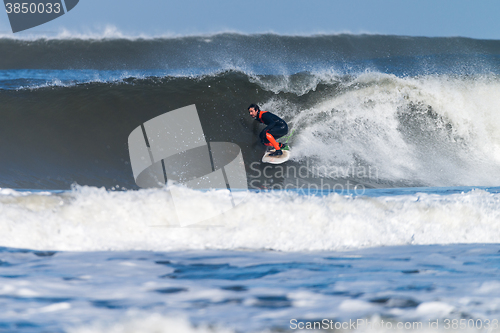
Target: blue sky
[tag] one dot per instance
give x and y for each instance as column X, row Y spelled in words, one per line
column 476, row 19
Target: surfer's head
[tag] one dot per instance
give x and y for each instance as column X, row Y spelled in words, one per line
column 253, row 109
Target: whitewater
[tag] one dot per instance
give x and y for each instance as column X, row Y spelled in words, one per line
column 93, row 219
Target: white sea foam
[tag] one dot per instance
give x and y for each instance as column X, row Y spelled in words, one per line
column 145, row 323
column 430, row 130
column 90, row 218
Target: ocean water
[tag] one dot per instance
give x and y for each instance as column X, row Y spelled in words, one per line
column 387, row 217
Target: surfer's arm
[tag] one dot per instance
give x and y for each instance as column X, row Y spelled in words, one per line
column 263, row 135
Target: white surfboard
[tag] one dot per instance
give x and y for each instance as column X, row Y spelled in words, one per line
column 276, row 159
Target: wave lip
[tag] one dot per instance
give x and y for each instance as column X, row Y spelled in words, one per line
column 284, row 54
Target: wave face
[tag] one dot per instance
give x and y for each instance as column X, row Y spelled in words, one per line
column 382, row 111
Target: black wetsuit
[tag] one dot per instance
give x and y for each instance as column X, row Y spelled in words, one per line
column 276, row 126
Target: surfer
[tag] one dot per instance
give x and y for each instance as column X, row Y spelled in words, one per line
column 275, row 129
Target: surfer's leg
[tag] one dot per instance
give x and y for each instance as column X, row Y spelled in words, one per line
column 276, row 133
column 272, row 141
column 279, row 131
column 264, row 140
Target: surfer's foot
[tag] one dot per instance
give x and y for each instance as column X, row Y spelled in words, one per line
column 282, row 145
column 276, row 153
